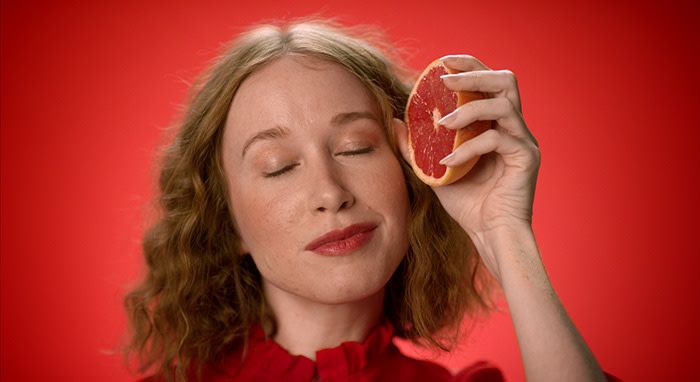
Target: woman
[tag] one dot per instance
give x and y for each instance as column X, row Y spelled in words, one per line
column 295, row 241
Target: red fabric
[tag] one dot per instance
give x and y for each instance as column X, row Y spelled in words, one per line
column 374, row 359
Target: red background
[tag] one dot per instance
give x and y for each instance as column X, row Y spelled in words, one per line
column 609, row 90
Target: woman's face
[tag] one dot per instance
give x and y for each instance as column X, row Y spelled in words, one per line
column 305, row 154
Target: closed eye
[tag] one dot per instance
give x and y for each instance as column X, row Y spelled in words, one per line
column 280, row 171
column 360, row 151
column 287, row 168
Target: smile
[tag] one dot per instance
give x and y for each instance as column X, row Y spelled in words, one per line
column 343, row 242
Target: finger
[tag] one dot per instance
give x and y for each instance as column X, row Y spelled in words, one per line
column 490, row 109
column 488, row 81
column 501, row 83
column 463, row 62
column 508, row 146
column 499, row 109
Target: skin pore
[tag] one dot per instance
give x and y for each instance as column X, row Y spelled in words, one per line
column 305, row 153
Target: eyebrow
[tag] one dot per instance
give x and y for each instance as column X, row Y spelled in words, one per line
column 281, row 131
column 344, row 118
column 275, row 132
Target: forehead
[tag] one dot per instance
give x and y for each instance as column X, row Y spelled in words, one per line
column 295, row 90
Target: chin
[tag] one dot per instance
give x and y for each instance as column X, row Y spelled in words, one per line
column 347, row 289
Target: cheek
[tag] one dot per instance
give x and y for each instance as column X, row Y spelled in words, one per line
column 262, row 214
column 389, row 190
column 385, row 191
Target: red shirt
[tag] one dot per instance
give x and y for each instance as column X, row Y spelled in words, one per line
column 374, row 359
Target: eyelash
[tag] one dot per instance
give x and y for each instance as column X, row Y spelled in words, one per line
column 284, row 169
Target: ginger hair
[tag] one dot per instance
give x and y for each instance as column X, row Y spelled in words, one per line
column 200, row 295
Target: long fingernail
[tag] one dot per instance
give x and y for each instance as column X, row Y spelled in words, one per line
column 447, row 119
column 446, row 160
column 449, row 76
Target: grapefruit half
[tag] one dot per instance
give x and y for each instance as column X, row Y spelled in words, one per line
column 428, row 141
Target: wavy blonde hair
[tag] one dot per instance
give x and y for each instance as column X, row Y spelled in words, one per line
column 200, row 295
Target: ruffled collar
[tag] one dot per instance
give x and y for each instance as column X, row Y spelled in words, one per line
column 266, row 358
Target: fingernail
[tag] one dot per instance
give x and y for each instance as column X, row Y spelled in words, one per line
column 449, row 76
column 446, row 160
column 447, row 119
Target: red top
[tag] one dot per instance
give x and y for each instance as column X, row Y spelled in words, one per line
column 374, row 359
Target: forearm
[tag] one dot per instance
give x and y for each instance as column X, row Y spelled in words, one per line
column 550, row 346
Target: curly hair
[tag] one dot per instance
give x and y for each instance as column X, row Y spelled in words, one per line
column 201, row 295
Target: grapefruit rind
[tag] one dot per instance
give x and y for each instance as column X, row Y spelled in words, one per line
column 452, row 174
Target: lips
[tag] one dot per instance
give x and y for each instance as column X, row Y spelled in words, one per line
column 338, row 236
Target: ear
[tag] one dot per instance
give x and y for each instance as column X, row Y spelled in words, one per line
column 401, row 137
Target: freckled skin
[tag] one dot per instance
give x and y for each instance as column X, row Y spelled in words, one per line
column 325, row 190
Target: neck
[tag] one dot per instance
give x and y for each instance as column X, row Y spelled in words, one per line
column 304, row 326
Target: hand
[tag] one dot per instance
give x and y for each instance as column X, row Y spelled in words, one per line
column 493, row 204
column 498, row 193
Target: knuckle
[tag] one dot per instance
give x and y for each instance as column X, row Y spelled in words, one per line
column 476, row 79
column 505, row 106
column 491, row 136
column 533, row 153
column 509, row 74
column 537, row 159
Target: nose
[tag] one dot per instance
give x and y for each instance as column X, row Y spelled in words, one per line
column 329, row 193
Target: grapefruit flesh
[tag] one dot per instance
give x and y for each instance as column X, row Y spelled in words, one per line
column 428, row 141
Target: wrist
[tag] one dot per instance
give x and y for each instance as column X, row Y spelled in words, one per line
column 506, row 247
